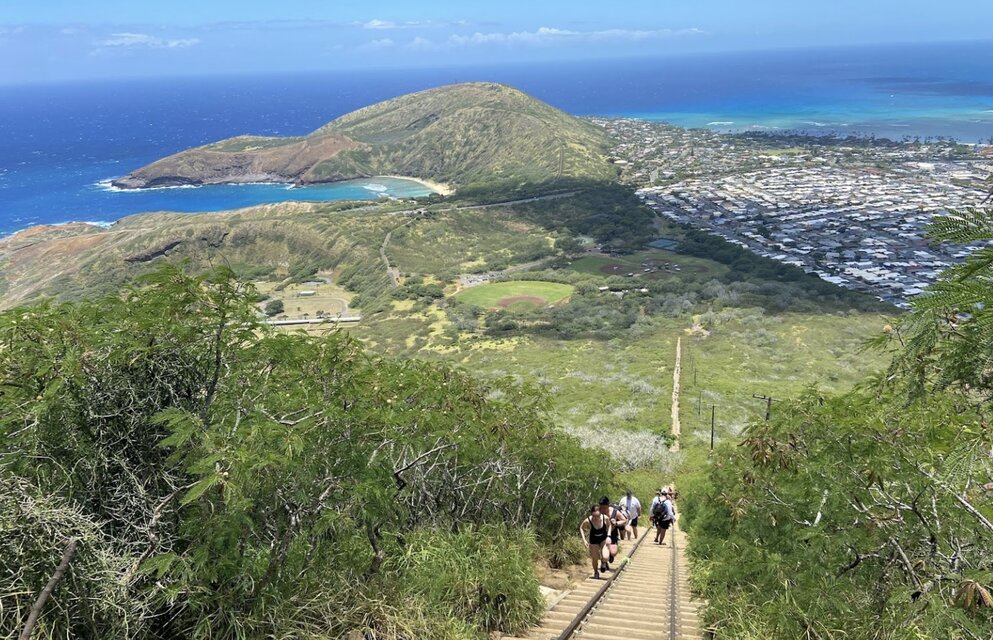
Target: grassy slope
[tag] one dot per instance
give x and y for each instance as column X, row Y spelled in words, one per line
column 626, row 383
column 745, row 354
column 479, row 132
column 452, row 242
column 271, row 241
column 475, row 133
column 77, row 260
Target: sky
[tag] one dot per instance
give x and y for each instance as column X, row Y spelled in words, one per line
column 45, row 41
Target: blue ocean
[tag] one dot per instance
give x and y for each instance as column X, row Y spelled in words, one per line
column 62, row 143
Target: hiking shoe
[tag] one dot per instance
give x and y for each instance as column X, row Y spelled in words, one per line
column 596, row 575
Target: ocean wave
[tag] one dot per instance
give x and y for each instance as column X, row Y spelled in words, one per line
column 107, row 185
column 375, row 187
column 104, row 224
column 720, row 123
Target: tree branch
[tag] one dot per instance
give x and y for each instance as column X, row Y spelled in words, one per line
column 378, row 554
column 39, row 604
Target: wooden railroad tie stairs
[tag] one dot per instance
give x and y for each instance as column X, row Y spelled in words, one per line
column 648, row 600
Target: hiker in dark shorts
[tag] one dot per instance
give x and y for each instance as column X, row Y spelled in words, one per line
column 618, row 521
column 663, row 515
column 595, row 531
column 633, row 506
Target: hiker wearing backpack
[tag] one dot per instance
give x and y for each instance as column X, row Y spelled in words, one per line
column 633, row 507
column 663, row 515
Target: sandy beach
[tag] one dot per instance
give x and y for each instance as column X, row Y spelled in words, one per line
column 438, row 187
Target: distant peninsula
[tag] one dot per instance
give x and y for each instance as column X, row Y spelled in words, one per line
column 450, row 136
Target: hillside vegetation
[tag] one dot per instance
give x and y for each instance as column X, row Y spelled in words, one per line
column 465, row 134
column 867, row 514
column 204, row 477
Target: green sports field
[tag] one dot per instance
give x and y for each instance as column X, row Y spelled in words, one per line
column 515, row 295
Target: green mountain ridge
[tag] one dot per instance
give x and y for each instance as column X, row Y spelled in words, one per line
column 463, row 134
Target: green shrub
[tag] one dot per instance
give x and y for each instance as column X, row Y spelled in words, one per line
column 484, row 575
column 274, row 308
column 565, row 551
column 235, row 479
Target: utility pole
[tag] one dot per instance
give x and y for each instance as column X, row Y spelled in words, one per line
column 713, row 417
column 768, row 404
column 699, row 401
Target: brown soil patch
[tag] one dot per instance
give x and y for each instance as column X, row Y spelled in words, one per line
column 506, row 302
column 519, row 227
column 561, row 579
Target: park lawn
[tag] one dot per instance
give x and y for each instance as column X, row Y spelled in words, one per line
column 515, row 294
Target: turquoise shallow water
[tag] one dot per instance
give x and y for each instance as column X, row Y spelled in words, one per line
column 972, row 124
column 234, row 196
column 99, row 202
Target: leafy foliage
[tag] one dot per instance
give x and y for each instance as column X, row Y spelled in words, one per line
column 226, row 480
column 880, row 497
column 948, row 341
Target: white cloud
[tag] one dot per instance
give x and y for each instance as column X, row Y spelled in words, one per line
column 423, row 44
column 378, row 45
column 138, row 40
column 553, row 35
column 376, row 23
column 391, row 24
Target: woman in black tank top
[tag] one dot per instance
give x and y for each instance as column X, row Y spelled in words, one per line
column 595, row 530
column 598, row 535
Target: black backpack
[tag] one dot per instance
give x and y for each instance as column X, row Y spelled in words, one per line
column 659, row 512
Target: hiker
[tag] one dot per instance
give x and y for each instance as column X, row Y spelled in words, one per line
column 656, row 499
column 595, row 531
column 619, row 522
column 663, row 515
column 633, row 507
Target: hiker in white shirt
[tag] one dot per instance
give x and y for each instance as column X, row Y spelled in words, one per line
column 633, row 507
